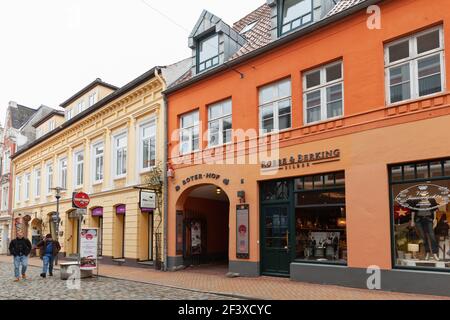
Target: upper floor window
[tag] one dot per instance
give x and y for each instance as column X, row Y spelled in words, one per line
column 219, row 123
column 415, row 66
column 37, row 183
column 49, row 178
column 27, row 186
column 295, row 13
column 18, row 188
column 148, row 145
column 120, row 155
column 208, row 52
column 69, row 114
column 63, row 173
column 79, row 169
column 51, row 125
column 189, row 133
column 323, row 93
column 38, row 133
column 98, row 157
column 275, row 106
column 5, row 197
column 6, row 165
column 92, row 99
column 80, row 107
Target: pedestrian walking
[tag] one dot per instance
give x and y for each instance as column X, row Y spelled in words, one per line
column 48, row 250
column 20, row 249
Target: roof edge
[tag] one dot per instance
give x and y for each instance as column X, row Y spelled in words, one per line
column 90, row 86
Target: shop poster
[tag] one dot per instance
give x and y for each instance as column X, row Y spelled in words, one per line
column 88, row 248
column 196, row 237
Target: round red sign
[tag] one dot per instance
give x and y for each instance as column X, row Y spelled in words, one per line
column 81, row 200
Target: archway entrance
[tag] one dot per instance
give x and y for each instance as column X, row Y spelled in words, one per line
column 205, row 214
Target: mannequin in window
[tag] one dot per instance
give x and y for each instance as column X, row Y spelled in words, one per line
column 425, row 221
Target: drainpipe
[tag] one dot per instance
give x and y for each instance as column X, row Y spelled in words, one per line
column 165, row 156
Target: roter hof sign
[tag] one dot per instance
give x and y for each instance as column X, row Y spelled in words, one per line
column 424, row 197
column 80, row 200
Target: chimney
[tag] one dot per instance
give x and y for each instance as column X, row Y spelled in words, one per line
column 12, row 104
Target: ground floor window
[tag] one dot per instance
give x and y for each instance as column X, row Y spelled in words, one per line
column 420, row 211
column 303, row 220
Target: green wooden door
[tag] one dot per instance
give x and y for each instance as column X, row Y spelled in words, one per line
column 275, row 239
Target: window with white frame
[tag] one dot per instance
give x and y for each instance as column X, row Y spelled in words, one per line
column 219, row 123
column 5, row 197
column 323, row 96
column 92, row 99
column 97, row 158
column 69, row 114
column 415, row 66
column 51, row 125
column 7, row 161
column 120, row 155
column 49, row 174
column 275, row 106
column 189, row 132
column 208, row 52
column 38, row 133
column 37, row 183
column 63, row 173
column 27, row 186
column 148, row 145
column 80, row 107
column 79, row 169
column 18, row 188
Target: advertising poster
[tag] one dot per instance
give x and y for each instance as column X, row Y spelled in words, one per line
column 196, row 237
column 88, row 248
column 243, row 251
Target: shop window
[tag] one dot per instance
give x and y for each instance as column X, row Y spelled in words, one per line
column 323, row 93
column 447, row 168
column 320, row 219
column 414, row 66
column 420, row 209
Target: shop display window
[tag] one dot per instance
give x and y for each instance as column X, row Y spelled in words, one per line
column 420, row 214
column 320, row 219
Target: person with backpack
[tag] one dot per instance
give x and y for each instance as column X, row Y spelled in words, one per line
column 48, row 250
column 20, row 249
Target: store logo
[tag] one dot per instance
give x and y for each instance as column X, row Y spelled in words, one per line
column 424, row 197
column 302, row 160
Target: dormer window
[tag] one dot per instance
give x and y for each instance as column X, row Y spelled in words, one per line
column 295, row 14
column 208, row 52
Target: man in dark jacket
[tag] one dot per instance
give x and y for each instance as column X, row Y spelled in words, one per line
column 48, row 249
column 20, row 248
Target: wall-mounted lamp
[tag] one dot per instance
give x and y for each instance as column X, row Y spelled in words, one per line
column 241, row 196
column 218, row 191
column 170, row 172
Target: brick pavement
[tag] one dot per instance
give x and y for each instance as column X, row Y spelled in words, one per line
column 214, row 281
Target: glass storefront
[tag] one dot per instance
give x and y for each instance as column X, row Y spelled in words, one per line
column 420, row 211
column 304, row 220
column 320, row 219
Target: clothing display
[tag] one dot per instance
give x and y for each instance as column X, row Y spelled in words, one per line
column 425, row 229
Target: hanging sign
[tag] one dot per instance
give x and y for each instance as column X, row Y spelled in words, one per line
column 147, row 200
column 242, row 232
column 80, row 200
column 424, row 197
column 88, row 248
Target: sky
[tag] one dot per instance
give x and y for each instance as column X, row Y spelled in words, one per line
column 50, row 49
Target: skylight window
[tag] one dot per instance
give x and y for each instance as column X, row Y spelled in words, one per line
column 248, row 27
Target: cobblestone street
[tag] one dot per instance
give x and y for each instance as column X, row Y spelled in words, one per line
column 52, row 288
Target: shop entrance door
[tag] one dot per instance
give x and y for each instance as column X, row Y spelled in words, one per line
column 276, row 247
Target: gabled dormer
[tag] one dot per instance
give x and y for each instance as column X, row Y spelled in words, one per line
column 291, row 15
column 212, row 42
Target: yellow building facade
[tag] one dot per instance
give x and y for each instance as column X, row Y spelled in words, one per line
column 107, row 146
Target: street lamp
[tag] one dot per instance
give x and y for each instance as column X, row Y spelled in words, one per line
column 57, row 219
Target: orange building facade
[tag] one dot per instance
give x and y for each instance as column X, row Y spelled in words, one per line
column 346, row 124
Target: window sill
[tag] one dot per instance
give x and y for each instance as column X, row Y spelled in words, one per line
column 96, row 183
column 418, row 99
column 275, row 132
column 219, row 146
column 323, row 121
column 120, row 177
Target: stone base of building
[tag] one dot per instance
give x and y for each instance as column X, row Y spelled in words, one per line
column 127, row 262
column 406, row 281
column 245, row 268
